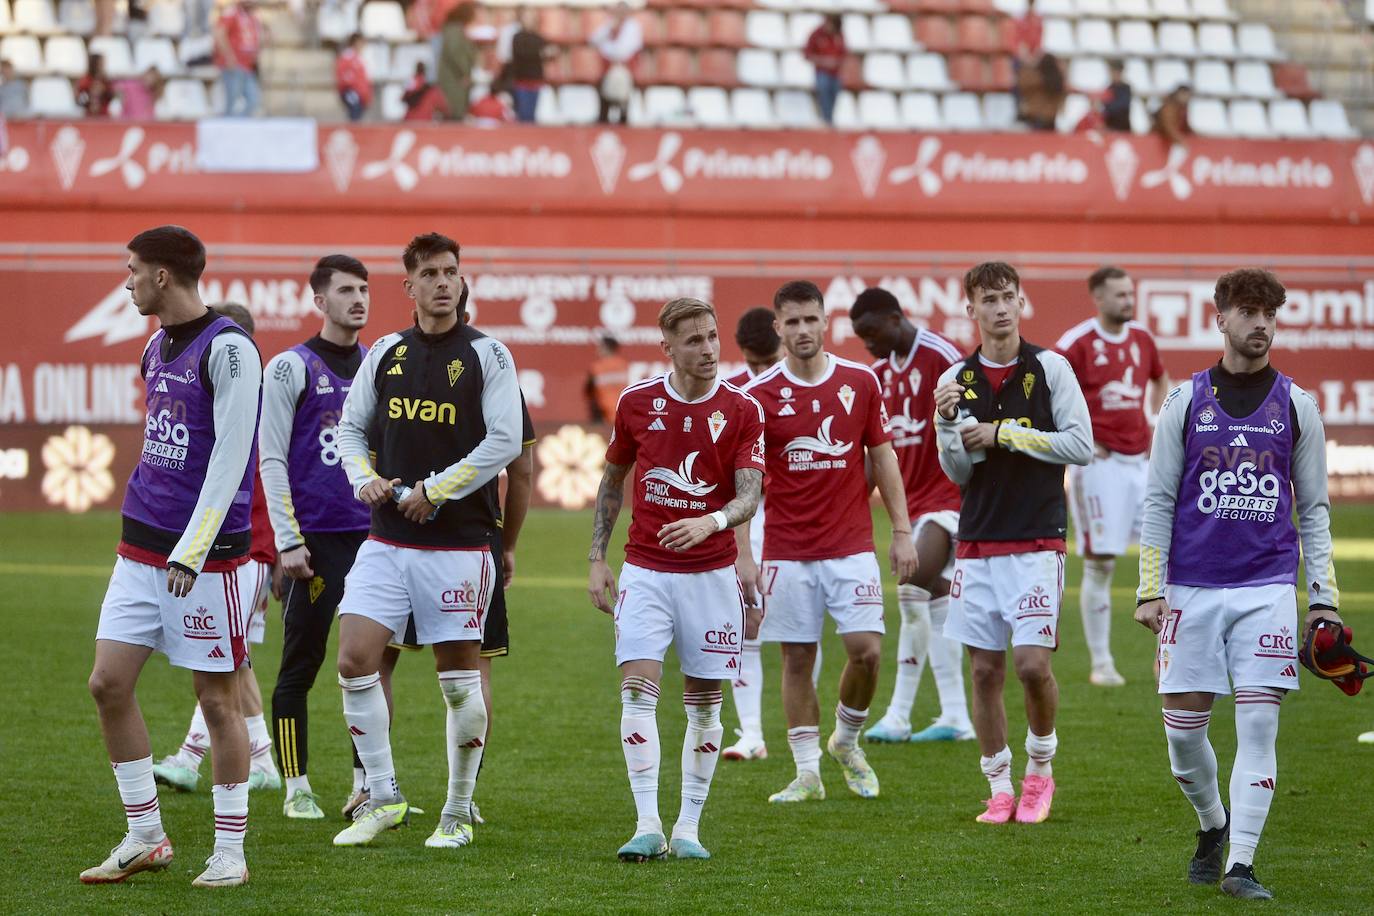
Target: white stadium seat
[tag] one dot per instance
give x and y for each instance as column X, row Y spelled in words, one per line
column 1213, row 77
column 1075, row 107
column 666, row 106
column 65, row 55
column 1133, row 9
column 24, row 52
column 403, row 61
column 799, row 28
column 1256, row 39
column 961, row 111
column 921, row 111
column 1135, row 37
column 1214, row 9
column 1058, row 39
column 34, row 17
column 1137, row 76
column 76, row 16
column 1102, row 9
column 796, row 110
column 1329, row 119
column 578, row 104
column 857, row 36
column 1215, row 39
column 878, row 111
column 892, row 32
column 1140, row 116
column 377, row 60
column 1254, row 78
column 391, row 102
column 119, row 58
column 1177, row 39
column 336, row 21
column 1172, row 9
column 1088, row 74
column 884, row 70
column 156, row 52
column 847, row 112
column 167, row 18
column 1095, row 36
column 999, row 110
column 710, row 106
column 6, row 21
column 52, row 97
column 752, row 108
column 1288, row 118
column 1207, row 117
column 757, row 67
column 927, row 71
column 1056, row 8
column 1170, row 74
column 1250, row 119
column 384, row 20
column 184, row 100
column 766, row 29
column 796, row 71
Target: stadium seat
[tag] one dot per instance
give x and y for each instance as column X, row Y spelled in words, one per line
column 786, row 5
column 1170, row 74
column 384, row 20
column 799, row 28
column 119, row 59
column 157, row 52
column 336, row 21
column 392, row 106
column 1095, row 36
column 892, row 32
column 968, row 71
column 403, row 61
column 1088, row 74
column 1172, row 9
column 1291, row 80
column 579, row 104
column 1177, row 39
column 766, row 29
column 936, row 33
column 927, row 71
column 796, row 71
column 796, row 110
column 34, row 17
column 65, row 55
column 52, row 97
column 921, row 111
column 1215, row 39
column 1214, row 9
column 883, row 70
column 1213, row 77
column 1055, row 8
column 6, row 21
column 1001, row 78
column 186, row 100
column 961, row 111
column 1288, row 118
column 1137, row 76
column 757, row 67
column 847, row 112
column 1101, row 9
column 561, row 26
column 710, row 107
column 75, row 16
column 977, row 34
column 1256, row 39
column 584, row 66
column 717, row 67
column 684, row 28
column 377, row 60
column 857, row 37
column 878, row 111
column 650, row 26
column 675, row 67
column 1329, row 120
column 1250, row 119
column 1136, row 38
column 1075, row 107
column 1133, row 9
column 1058, row 39
column 1255, row 79
column 665, row 106
column 167, row 18
column 24, row 52
column 725, row 29
column 1207, row 117
column 752, row 108
column 1140, row 116
column 999, row 110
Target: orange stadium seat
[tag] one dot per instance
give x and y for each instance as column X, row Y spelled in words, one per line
column 1002, row 77
column 652, row 25
column 852, row 74
column 686, row 28
column 970, row 71
column 560, row 25
column 716, row 67
column 674, row 67
column 936, row 33
column 725, row 29
column 976, row 34
column 584, row 66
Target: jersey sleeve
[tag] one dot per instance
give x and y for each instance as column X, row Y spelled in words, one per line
column 282, row 384
column 1072, row 350
column 501, row 411
column 1161, row 492
column 877, row 426
column 749, row 444
column 954, row 459
column 1072, row 440
column 622, row 447
column 1312, row 502
column 236, row 375
column 356, row 417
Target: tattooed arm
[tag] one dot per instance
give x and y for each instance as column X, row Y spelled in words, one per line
column 610, row 496
column 686, row 533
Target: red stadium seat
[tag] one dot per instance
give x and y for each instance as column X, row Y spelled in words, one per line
column 976, row 34
column 716, row 67
column 725, row 29
column 584, row 65
column 560, row 26
column 652, row 25
column 1291, row 80
column 674, row 68
column 686, row 28
column 1002, row 78
column 937, row 7
column 936, row 33
column 852, row 74
column 1007, row 31
column 969, row 71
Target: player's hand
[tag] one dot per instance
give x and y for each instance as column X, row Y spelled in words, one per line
column 296, row 562
column 1099, row 450
column 278, row 582
column 416, row 506
column 753, row 619
column 748, row 574
column 902, row 557
column 1318, row 614
column 601, row 587
column 1151, row 614
column 376, row 492
column 180, row 581
column 686, row 533
column 947, row 398
column 507, row 567
column 982, row 435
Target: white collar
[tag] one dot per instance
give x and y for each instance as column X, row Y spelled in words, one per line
column 672, row 392
column 829, row 371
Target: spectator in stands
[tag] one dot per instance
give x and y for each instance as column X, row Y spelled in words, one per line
column 238, row 42
column 826, row 51
column 1116, row 101
column 457, row 57
column 138, row 97
column 14, row 92
column 619, row 41
column 491, row 110
column 1171, row 118
column 529, row 51
column 423, row 100
column 104, row 16
column 93, row 91
column 1027, row 34
column 350, row 76
column 1041, row 92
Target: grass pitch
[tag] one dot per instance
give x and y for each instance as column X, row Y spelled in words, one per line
column 555, row 793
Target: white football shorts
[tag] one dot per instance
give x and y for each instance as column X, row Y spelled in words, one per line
column 701, row 613
column 1016, row 598
column 449, row 591
column 756, row 534
column 202, row 631
column 1246, row 635
column 798, row 593
column 947, row 519
column 1107, row 502
column 258, row 575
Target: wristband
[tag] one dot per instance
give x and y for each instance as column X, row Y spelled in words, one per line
column 719, row 518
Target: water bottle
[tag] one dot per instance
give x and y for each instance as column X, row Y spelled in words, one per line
column 401, row 491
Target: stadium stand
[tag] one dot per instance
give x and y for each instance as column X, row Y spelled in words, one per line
column 914, row 64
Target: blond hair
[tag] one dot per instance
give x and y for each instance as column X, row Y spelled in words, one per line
column 675, row 310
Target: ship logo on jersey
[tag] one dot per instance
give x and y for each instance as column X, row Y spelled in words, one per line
column 716, row 422
column 681, row 479
column 455, row 371
column 846, row 398
column 821, row 443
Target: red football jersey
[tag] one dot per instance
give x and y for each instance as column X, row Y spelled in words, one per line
column 909, row 392
column 814, row 437
column 685, row 454
column 741, row 378
column 1112, row 372
column 263, row 543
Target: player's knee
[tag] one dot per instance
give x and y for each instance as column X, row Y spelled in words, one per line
column 867, row 658
column 1034, row 671
column 987, row 673
column 354, row 664
column 218, row 704
column 798, row 662
column 108, row 690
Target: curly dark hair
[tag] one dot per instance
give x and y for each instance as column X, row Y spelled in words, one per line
column 755, row 332
column 991, row 275
column 1248, row 286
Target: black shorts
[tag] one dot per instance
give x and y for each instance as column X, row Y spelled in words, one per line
column 496, row 633
column 331, row 557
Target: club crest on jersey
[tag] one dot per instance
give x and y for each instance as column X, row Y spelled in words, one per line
column 455, row 371
column 1028, row 383
column 316, row 589
column 716, row 422
column 846, row 398
column 815, row 405
column 686, row 424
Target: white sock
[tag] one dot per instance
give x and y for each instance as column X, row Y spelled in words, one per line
column 639, row 740
column 700, row 753
column 359, row 779
column 369, row 723
column 747, row 690
column 997, row 769
column 1040, row 753
column 466, row 728
column 1194, row 764
column 913, row 644
column 259, row 743
column 1095, row 604
column 296, row 784
column 947, row 665
column 138, row 791
column 231, row 817
column 1255, row 770
column 848, row 722
column 197, row 741
column 805, row 741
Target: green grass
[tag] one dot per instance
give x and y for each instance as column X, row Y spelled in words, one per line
column 555, row 791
